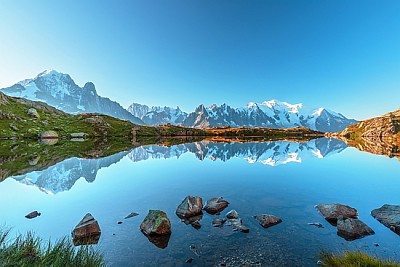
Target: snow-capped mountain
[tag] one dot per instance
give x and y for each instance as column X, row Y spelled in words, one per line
column 63, row 175
column 273, row 113
column 59, row 90
column 267, row 153
column 157, row 115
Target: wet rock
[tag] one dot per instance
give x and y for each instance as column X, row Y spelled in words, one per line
column 218, row 222
column 156, row 223
column 316, row 224
column 32, row 214
column 33, row 113
column 232, row 214
column 331, row 212
column 215, row 205
column 389, row 216
column 190, row 260
column 190, row 206
column 235, row 223
column 87, row 231
column 194, row 249
column 351, row 229
column 130, row 215
column 48, row 135
column 243, row 229
column 119, row 222
column 266, row 220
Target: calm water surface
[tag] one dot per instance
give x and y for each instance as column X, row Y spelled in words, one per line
column 286, row 179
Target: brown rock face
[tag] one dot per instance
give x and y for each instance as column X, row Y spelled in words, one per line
column 156, row 223
column 87, row 231
column 267, row 220
column 351, row 229
column 190, row 206
column 389, row 216
column 331, row 212
column 215, row 205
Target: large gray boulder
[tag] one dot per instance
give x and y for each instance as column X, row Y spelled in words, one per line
column 33, row 113
column 389, row 216
column 87, row 231
column 331, row 212
column 351, row 229
column 48, row 135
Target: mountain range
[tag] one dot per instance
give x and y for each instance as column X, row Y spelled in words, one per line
column 59, row 90
column 269, row 114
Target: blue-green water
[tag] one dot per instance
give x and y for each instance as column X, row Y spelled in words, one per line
column 286, row 179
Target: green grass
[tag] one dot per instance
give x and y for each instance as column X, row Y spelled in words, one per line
column 30, row 250
column 355, row 259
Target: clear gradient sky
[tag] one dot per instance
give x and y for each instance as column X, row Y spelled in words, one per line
column 340, row 54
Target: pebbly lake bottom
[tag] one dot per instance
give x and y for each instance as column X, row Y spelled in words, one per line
column 280, row 178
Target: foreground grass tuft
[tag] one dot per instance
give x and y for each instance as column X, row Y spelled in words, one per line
column 29, row 250
column 355, row 259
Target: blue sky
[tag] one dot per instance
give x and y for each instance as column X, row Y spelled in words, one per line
column 339, row 54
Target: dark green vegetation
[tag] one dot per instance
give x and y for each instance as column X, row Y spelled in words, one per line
column 29, row 250
column 355, row 259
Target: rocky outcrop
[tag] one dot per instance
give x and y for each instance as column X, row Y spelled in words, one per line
column 156, row 223
column 215, row 205
column 331, row 212
column 266, row 220
column 87, row 231
column 389, row 216
column 3, row 99
column 351, row 229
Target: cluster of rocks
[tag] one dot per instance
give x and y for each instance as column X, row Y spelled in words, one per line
column 345, row 218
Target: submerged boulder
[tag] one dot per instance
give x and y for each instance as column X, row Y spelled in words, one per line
column 156, row 223
column 215, row 205
column 232, row 214
column 331, row 212
column 190, row 206
column 267, row 220
column 389, row 216
column 87, row 231
column 351, row 229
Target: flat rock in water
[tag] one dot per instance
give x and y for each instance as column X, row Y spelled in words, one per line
column 132, row 214
column 156, row 223
column 352, row 229
column 32, row 214
column 389, row 216
column 87, row 231
column 331, row 212
column 190, row 206
column 267, row 220
column 218, row 222
column 215, row 205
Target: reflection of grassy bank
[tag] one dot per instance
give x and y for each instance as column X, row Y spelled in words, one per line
column 29, row 250
column 355, row 259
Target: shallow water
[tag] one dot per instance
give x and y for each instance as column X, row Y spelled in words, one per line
column 286, row 179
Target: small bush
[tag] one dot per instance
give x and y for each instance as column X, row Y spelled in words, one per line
column 355, row 259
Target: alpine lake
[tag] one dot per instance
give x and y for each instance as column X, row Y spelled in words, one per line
column 283, row 178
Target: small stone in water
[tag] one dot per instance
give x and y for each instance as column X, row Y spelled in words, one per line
column 189, row 260
column 33, row 214
column 132, row 214
column 119, row 222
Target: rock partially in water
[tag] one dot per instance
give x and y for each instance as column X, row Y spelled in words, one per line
column 352, row 229
column 33, row 113
column 190, row 206
column 33, row 214
column 87, row 231
column 215, row 205
column 233, row 214
column 48, row 135
column 389, row 216
column 267, row 220
column 316, row 224
column 160, row 241
column 218, row 222
column 132, row 214
column 331, row 212
column 156, row 223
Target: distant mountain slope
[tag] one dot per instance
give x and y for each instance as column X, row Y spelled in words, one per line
column 59, row 90
column 273, row 113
